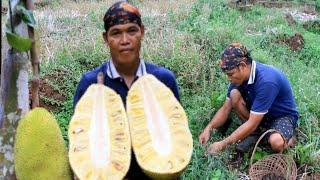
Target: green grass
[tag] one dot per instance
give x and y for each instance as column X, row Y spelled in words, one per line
column 188, row 41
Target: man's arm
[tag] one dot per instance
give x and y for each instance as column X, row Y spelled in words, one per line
column 218, row 120
column 265, row 96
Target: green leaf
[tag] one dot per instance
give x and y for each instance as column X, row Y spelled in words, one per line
column 216, row 175
column 26, row 15
column 17, row 42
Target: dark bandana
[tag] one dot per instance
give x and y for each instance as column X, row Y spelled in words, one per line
column 121, row 13
column 232, row 55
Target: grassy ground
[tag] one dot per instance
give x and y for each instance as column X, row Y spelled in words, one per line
column 187, row 37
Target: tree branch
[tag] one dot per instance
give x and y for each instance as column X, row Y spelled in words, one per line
column 34, row 52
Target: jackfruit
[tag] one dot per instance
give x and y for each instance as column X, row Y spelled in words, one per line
column 100, row 144
column 39, row 149
column 160, row 135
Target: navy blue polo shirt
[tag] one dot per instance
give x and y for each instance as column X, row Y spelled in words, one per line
column 116, row 82
column 268, row 92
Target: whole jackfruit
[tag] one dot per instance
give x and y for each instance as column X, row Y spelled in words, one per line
column 39, row 149
column 161, row 139
column 100, row 145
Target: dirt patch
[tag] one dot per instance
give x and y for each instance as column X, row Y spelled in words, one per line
column 47, row 91
column 308, row 7
column 295, row 42
column 50, row 98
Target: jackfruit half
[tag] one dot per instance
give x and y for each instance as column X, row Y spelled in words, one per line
column 160, row 135
column 100, row 145
column 39, row 149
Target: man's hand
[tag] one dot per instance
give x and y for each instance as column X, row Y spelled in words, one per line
column 216, row 147
column 204, row 136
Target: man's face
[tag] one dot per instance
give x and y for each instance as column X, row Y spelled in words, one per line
column 124, row 41
column 236, row 76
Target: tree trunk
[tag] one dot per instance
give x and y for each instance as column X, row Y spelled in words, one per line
column 16, row 105
column 14, row 101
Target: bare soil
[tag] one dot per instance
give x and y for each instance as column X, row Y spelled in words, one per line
column 47, row 91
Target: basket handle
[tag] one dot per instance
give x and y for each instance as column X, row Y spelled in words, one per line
column 260, row 138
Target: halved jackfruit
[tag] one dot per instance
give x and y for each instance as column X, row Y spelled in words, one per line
column 100, row 145
column 160, row 135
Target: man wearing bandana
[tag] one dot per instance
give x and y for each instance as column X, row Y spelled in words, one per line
column 123, row 34
column 262, row 98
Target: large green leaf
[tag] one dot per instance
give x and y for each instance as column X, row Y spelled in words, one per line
column 17, row 42
column 26, row 15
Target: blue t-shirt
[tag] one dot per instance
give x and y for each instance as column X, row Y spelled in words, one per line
column 268, row 92
column 117, row 83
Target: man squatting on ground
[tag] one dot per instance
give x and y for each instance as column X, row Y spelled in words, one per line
column 262, row 98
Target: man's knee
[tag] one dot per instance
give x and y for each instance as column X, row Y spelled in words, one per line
column 277, row 142
column 236, row 99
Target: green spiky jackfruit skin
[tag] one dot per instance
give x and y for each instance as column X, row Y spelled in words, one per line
column 39, row 149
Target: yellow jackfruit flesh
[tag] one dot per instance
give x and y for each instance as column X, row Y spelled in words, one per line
column 39, row 149
column 161, row 139
column 100, row 145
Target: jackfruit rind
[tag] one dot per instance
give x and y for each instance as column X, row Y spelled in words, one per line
column 39, row 149
column 100, row 145
column 160, row 135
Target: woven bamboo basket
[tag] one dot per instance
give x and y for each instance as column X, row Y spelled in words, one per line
column 275, row 166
